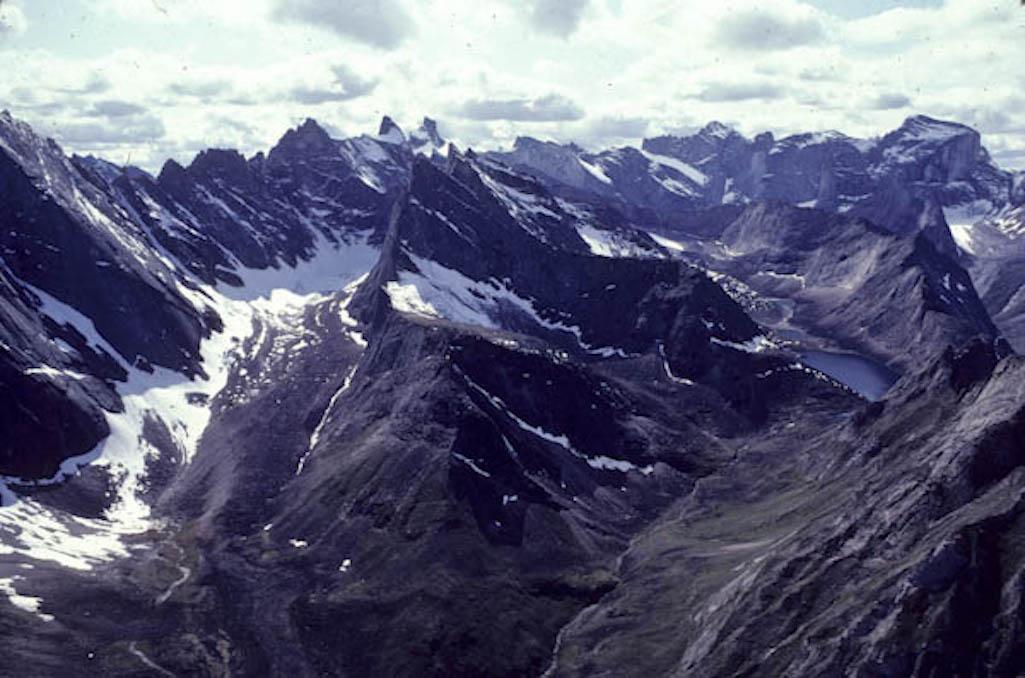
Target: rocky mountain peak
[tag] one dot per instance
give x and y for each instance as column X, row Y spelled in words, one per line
column 171, row 172
column 106, row 171
column 931, row 150
column 717, row 130
column 389, row 132
column 430, row 127
column 307, row 139
column 928, row 128
column 426, row 140
column 219, row 163
column 18, row 139
column 525, row 142
column 311, row 127
column 8, row 121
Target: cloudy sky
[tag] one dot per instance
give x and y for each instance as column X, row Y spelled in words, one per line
column 143, row 80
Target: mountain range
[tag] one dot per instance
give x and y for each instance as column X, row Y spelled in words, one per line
column 384, row 406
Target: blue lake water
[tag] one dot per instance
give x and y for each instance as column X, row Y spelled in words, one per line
column 864, row 375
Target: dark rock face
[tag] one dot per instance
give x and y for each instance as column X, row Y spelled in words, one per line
column 66, row 238
column 43, row 424
column 546, row 284
column 1018, row 189
column 927, row 546
column 930, row 151
column 1002, row 285
column 396, row 409
column 718, row 151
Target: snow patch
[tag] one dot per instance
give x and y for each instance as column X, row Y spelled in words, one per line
column 315, row 436
column 54, row 373
column 756, row 344
column 519, row 203
column 612, row 244
column 473, row 466
column 667, row 243
column 669, row 371
column 596, row 171
column 407, row 299
column 692, row 173
column 26, row 603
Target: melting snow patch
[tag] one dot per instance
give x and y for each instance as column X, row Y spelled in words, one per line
column 434, row 291
column 669, row 372
column 756, row 344
column 315, row 437
column 473, row 466
column 27, row 603
column 54, row 373
column 611, row 244
column 784, row 276
column 962, row 220
column 163, row 394
column 963, row 236
column 667, row 243
column 407, row 299
column 62, row 314
column 438, row 292
column 333, row 267
column 692, row 173
column 30, row 529
column 596, row 171
column 609, row 464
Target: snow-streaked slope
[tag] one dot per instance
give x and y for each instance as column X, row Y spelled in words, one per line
column 436, row 292
column 32, row 531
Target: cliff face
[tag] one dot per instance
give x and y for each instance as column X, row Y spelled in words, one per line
column 1018, row 189
column 924, row 149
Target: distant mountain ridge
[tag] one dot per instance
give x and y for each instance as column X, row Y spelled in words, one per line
column 927, row 176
